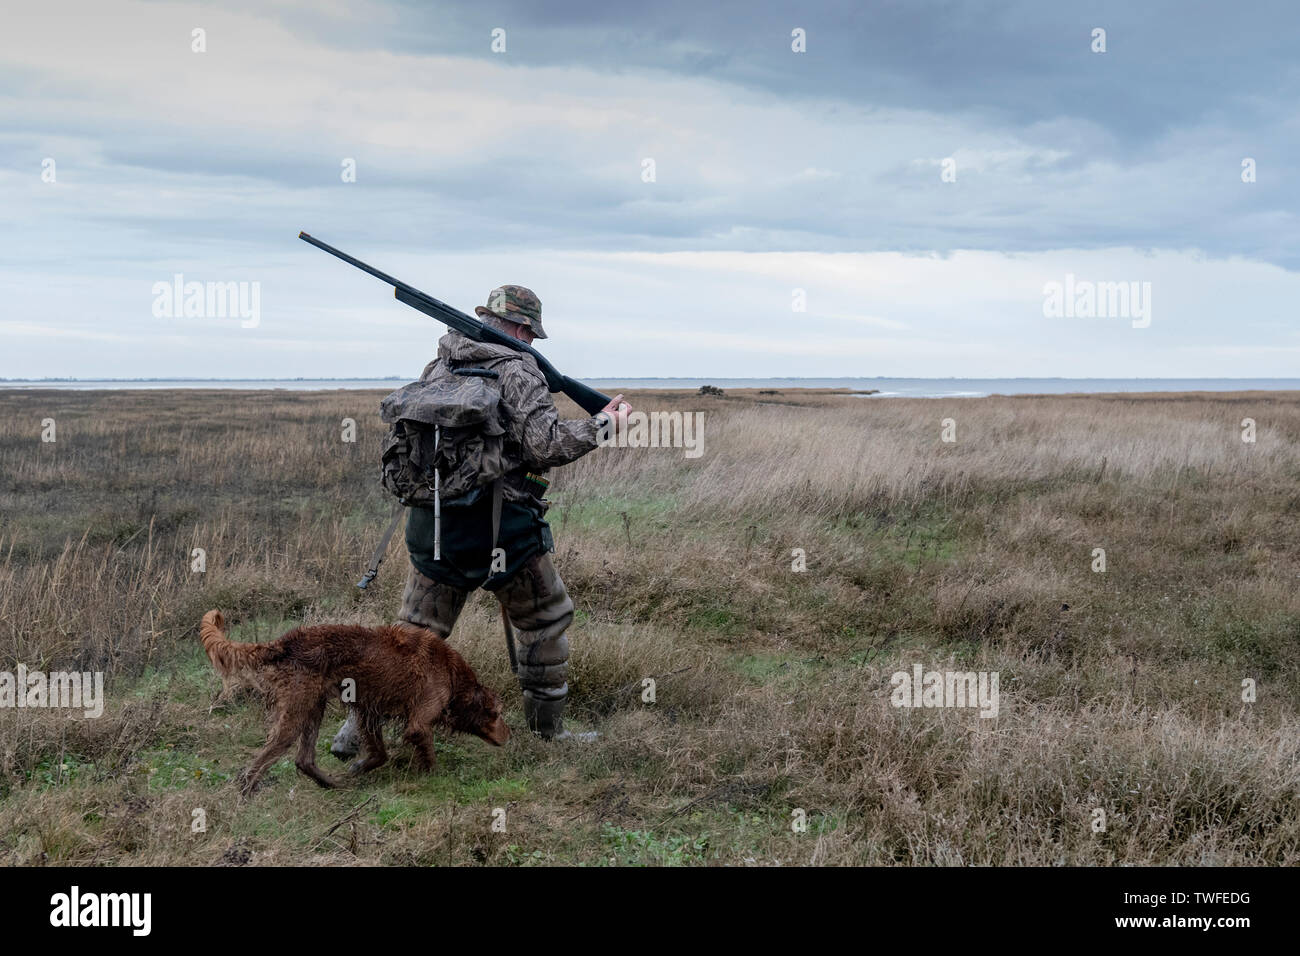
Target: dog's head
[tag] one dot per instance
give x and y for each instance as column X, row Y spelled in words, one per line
column 479, row 714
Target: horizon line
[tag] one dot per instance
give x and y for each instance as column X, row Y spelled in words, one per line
column 722, row 378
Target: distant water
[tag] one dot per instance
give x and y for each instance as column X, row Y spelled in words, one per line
column 967, row 387
column 290, row 384
column 886, row 387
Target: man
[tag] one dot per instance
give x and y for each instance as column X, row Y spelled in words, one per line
column 528, row 586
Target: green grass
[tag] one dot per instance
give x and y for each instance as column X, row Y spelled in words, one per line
column 784, row 669
column 645, row 848
column 173, row 768
column 718, row 618
column 638, row 515
column 774, row 689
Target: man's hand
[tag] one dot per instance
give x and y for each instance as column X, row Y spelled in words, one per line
column 616, row 411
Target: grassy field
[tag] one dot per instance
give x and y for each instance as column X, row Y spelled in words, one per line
column 1121, row 692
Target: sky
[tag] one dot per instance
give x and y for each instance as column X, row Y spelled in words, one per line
column 686, row 192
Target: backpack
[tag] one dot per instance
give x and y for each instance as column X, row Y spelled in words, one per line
column 445, row 438
column 445, row 441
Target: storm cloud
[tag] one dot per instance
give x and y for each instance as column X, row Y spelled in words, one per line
column 774, row 171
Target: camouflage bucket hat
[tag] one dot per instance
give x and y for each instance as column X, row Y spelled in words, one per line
column 514, row 303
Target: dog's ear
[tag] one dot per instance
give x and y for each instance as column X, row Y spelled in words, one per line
column 483, row 705
column 483, row 716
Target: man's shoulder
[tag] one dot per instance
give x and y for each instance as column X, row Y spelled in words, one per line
column 461, row 349
column 522, row 370
column 523, row 386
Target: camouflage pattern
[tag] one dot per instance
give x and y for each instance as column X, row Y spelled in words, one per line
column 516, row 304
column 427, row 603
column 538, row 606
column 533, row 441
column 535, row 438
column 534, row 596
column 541, row 611
column 466, row 449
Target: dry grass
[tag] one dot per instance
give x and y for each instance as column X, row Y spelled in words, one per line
column 1120, row 691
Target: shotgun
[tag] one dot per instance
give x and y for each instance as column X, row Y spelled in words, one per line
column 588, row 399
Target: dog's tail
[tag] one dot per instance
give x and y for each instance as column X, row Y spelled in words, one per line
column 227, row 656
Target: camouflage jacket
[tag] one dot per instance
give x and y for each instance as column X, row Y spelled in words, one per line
column 536, row 439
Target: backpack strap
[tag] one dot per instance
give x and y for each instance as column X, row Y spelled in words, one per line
column 437, row 499
column 380, row 551
column 496, row 512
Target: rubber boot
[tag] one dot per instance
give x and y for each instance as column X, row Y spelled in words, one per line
column 545, row 718
column 347, row 742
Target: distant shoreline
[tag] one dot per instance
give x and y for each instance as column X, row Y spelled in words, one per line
column 659, row 378
column 875, row 388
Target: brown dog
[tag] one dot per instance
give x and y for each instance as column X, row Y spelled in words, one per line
column 402, row 671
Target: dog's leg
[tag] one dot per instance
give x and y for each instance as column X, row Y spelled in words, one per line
column 373, row 753
column 279, row 741
column 307, row 747
column 418, row 733
column 422, row 740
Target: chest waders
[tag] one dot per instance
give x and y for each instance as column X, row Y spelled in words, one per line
column 400, row 510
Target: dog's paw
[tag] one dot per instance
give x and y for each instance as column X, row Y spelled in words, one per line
column 247, row 786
